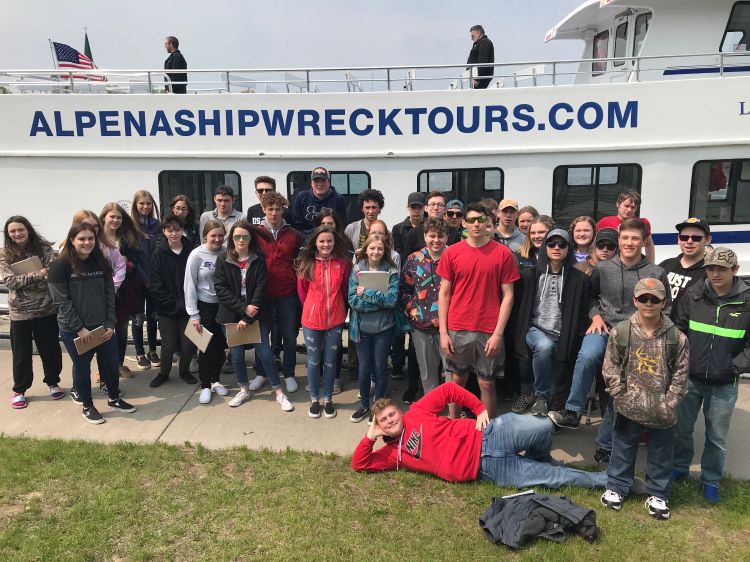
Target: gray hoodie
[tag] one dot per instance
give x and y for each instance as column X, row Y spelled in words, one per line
column 614, row 284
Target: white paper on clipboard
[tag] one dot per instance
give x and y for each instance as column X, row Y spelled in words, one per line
column 377, row 280
column 200, row 339
column 251, row 334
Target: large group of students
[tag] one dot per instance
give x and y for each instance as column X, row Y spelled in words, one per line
column 485, row 296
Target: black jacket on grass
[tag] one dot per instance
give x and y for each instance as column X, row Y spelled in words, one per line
column 167, row 278
column 228, row 285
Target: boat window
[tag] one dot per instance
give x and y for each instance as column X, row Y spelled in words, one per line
column 348, row 184
column 621, row 43
column 601, row 44
column 642, row 21
column 199, row 186
column 591, row 190
column 737, row 33
column 721, row 191
column 468, row 184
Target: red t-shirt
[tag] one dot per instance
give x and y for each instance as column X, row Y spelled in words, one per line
column 615, row 222
column 476, row 275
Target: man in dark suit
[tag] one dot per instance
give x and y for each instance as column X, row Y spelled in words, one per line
column 482, row 51
column 175, row 61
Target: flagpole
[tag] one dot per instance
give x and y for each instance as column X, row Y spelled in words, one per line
column 52, row 52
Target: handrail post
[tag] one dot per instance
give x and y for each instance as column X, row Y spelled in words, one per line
column 150, row 85
column 721, row 65
column 638, row 69
column 307, row 80
column 228, row 82
column 72, row 84
column 554, row 73
column 388, row 78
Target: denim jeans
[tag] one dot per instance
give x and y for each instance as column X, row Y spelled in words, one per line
column 322, row 347
column 658, row 460
column 543, row 348
column 263, row 356
column 507, row 435
column 150, row 319
column 588, row 362
column 606, row 429
column 283, row 319
column 718, row 402
column 106, row 356
column 372, row 354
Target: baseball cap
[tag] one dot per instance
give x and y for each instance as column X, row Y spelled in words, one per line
column 320, row 173
column 505, row 203
column 416, row 198
column 650, row 286
column 224, row 190
column 455, row 204
column 561, row 232
column 721, row 256
column 697, row 223
column 606, row 235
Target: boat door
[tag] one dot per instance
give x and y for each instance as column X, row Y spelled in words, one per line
column 627, row 36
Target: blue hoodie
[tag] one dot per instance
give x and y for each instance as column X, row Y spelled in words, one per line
column 306, row 207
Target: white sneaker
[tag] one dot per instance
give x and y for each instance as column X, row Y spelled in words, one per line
column 257, row 383
column 612, row 499
column 205, row 396
column 219, row 389
column 284, row 402
column 291, row 384
column 657, row 507
column 239, row 399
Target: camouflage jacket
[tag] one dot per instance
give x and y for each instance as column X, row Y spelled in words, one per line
column 644, row 390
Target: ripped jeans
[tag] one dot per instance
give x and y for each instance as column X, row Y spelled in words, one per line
column 322, row 350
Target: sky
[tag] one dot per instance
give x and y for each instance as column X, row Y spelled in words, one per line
column 281, row 33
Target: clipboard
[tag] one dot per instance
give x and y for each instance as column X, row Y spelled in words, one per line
column 29, row 265
column 96, row 340
column 251, row 334
column 200, row 339
column 377, row 280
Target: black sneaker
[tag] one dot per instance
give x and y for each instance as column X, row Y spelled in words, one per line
column 158, row 380
column 601, row 457
column 121, row 406
column 539, row 408
column 188, row 378
column 522, row 404
column 104, row 390
column 410, row 395
column 360, row 414
column 143, row 362
column 328, row 410
column 397, row 373
column 92, row 415
column 314, row 411
column 153, row 358
column 74, row 396
column 566, row 419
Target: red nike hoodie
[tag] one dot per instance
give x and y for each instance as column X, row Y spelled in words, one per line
column 447, row 448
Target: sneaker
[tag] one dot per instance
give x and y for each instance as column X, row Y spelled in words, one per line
column 314, row 411
column 337, row 386
column 257, row 383
column 601, row 457
column 711, row 493
column 219, row 389
column 678, row 475
column 522, row 404
column 74, row 395
column 153, row 358
column 360, row 414
column 125, row 372
column 291, row 384
column 239, row 399
column 104, row 390
column 143, row 363
column 658, row 508
column 397, row 373
column 121, row 406
column 328, row 410
column 409, row 395
column 612, row 500
column 205, row 396
column 55, row 392
column 18, row 401
column 283, row 401
column 158, row 380
column 188, row 378
column 92, row 415
column 539, row 408
column 566, row 419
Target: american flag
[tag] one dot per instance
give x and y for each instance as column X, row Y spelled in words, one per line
column 68, row 57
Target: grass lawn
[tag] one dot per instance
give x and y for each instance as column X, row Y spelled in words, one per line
column 85, row 501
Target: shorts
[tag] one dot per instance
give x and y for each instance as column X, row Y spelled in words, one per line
column 468, row 356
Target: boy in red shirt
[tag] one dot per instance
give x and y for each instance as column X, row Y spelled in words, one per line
column 628, row 203
column 474, row 303
column 463, row 450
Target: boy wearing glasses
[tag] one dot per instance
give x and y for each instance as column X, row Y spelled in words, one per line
column 474, row 303
column 255, row 214
column 686, row 270
column 435, row 207
column 645, row 371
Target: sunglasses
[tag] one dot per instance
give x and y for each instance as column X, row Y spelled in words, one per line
column 648, row 299
column 481, row 219
column 605, row 246
column 454, row 214
column 238, row 237
column 262, row 191
column 693, row 237
column 562, row 244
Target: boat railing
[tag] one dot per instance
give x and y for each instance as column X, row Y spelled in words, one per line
column 377, row 78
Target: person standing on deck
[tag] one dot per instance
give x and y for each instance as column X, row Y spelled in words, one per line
column 481, row 51
column 175, row 61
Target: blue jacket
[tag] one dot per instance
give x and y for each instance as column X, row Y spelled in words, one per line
column 371, row 300
column 148, row 243
column 306, row 207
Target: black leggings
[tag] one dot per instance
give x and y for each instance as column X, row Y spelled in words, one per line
column 211, row 360
column 23, row 334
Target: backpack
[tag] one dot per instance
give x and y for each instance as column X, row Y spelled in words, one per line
column 623, row 344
